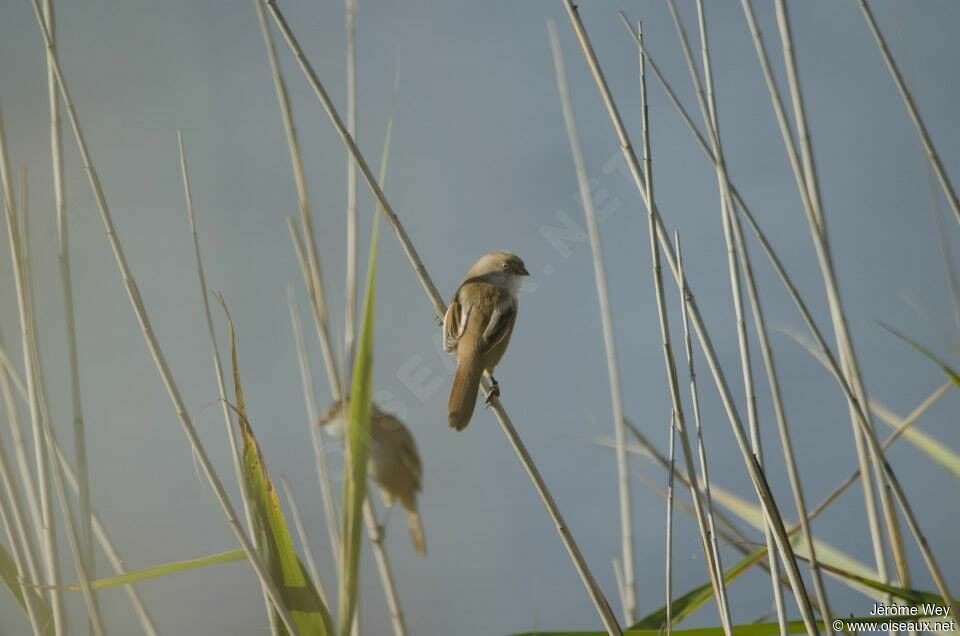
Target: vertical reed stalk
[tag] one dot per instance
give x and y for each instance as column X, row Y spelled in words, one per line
column 613, row 371
column 707, row 104
column 819, row 233
column 372, row 526
column 714, row 568
column 100, row 533
column 21, row 252
column 66, row 282
column 596, row 594
column 766, row 499
column 701, row 447
column 319, row 451
column 11, row 517
column 47, row 531
column 133, row 291
column 869, row 501
column 16, row 435
column 235, row 453
column 315, row 285
column 349, row 324
column 668, row 578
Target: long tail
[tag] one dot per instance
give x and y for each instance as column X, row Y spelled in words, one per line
column 463, row 393
column 416, row 530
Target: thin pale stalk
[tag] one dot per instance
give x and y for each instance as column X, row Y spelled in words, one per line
column 66, row 283
column 315, row 285
column 714, row 568
column 702, row 448
column 596, row 594
column 100, row 534
column 215, row 351
column 738, row 539
column 755, row 472
column 372, row 528
column 668, row 578
column 925, row 139
column 11, row 516
column 20, row 251
column 727, row 528
column 815, row 222
column 16, row 434
column 761, row 237
column 319, row 451
column 133, row 291
column 304, row 542
column 99, row 531
column 603, row 300
column 375, row 531
column 47, row 531
column 708, row 110
column 349, row 324
column 844, row 341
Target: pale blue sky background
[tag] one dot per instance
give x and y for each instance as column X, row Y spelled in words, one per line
column 480, row 161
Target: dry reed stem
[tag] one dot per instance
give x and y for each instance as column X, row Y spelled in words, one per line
column 66, row 282
column 7, row 373
column 17, row 535
column 928, row 146
column 319, row 450
column 315, row 285
column 133, row 291
column 21, row 251
column 235, row 453
column 713, row 568
column 755, row 472
column 708, row 111
column 100, row 533
column 349, row 325
column 613, row 371
column 701, row 447
column 439, row 307
column 46, row 529
column 372, row 526
column 806, row 176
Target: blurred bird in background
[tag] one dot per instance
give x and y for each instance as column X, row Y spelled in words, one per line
column 394, row 463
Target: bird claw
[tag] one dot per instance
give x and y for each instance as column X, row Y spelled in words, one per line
column 494, row 392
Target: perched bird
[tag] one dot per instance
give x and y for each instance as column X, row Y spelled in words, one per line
column 393, row 463
column 477, row 326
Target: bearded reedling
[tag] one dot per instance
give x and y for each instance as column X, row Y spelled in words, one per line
column 394, row 463
column 478, row 325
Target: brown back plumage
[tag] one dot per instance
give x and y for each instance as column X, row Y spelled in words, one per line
column 469, row 328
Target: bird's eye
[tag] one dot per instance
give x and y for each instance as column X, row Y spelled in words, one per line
column 504, row 266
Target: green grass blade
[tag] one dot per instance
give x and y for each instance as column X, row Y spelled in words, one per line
column 953, row 375
column 911, row 596
column 271, row 533
column 164, row 569
column 926, row 443
column 827, row 555
column 358, row 436
column 687, row 604
column 750, row 629
column 8, row 574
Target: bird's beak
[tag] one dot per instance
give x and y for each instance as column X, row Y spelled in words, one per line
column 523, row 271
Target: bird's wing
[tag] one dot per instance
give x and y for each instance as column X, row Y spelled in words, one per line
column 411, row 460
column 454, row 322
column 498, row 326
